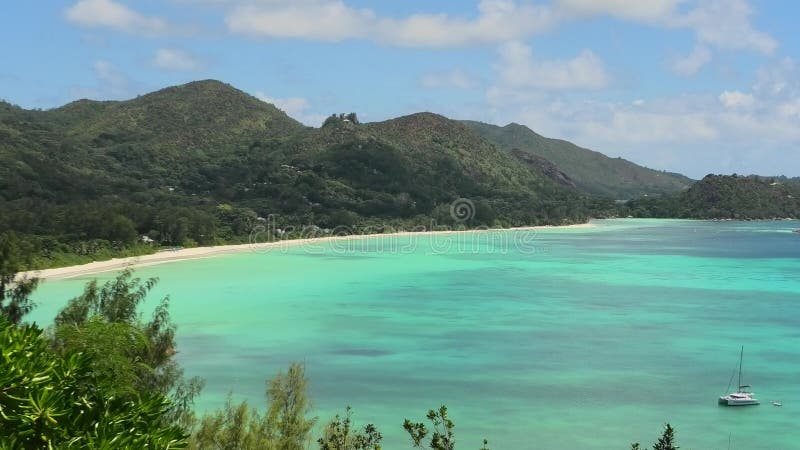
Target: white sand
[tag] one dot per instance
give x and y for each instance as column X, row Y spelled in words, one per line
column 205, row 252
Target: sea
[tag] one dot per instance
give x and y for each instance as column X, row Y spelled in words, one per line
column 588, row 338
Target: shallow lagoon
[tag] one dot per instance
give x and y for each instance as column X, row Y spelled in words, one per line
column 573, row 338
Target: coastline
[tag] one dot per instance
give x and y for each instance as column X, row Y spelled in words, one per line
column 168, row 256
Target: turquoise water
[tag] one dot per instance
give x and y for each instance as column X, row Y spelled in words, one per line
column 578, row 338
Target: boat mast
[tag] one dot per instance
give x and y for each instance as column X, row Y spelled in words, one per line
column 741, row 356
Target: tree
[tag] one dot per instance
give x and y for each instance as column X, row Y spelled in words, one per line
column 234, row 427
column 15, row 291
column 484, row 214
column 284, row 425
column 49, row 400
column 665, row 442
column 338, row 435
column 133, row 357
column 288, row 406
column 667, row 439
column 121, row 229
column 442, row 437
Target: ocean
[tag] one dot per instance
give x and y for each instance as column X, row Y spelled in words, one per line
column 547, row 339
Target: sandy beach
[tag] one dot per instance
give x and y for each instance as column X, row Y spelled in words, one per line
column 167, row 256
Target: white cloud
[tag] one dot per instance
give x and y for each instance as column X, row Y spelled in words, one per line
column 112, row 84
column 778, row 86
column 497, row 21
column 649, row 10
column 790, row 109
column 726, row 24
column 715, row 23
column 325, row 20
column 175, row 59
column 518, row 69
column 297, row 107
column 693, row 62
column 719, row 23
column 655, row 134
column 638, row 102
column 334, row 20
column 647, row 127
column 780, row 80
column 291, row 105
column 450, row 79
column 736, row 99
column 739, row 130
column 116, row 16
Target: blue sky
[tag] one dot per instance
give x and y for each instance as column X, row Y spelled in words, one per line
column 695, row 86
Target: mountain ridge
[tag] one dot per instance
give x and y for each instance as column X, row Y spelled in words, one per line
column 204, row 163
column 590, row 170
column 198, row 164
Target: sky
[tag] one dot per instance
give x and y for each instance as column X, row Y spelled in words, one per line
column 692, row 86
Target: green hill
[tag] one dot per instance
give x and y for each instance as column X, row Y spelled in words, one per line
column 203, row 162
column 726, row 197
column 173, row 137
column 589, row 170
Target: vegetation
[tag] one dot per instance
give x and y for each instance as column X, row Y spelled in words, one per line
column 339, row 435
column 131, row 357
column 284, row 425
column 57, row 400
column 204, row 163
column 442, row 437
column 589, row 170
column 15, row 290
column 665, row 442
column 101, row 378
column 725, row 197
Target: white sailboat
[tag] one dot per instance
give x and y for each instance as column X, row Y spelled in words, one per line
column 742, row 396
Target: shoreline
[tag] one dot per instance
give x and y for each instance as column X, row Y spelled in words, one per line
column 168, row 256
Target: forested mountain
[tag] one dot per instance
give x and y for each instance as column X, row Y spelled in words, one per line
column 591, row 171
column 174, row 137
column 790, row 181
column 726, row 197
column 202, row 162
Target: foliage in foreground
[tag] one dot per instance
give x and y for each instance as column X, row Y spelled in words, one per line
column 15, row 290
column 665, row 442
column 340, row 435
column 51, row 400
column 284, row 425
column 132, row 357
column 441, row 437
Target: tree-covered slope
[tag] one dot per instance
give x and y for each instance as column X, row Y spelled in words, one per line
column 726, row 197
column 200, row 163
column 589, row 170
column 213, row 111
column 173, row 137
column 445, row 148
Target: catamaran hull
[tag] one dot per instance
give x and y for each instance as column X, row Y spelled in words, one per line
column 737, row 402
